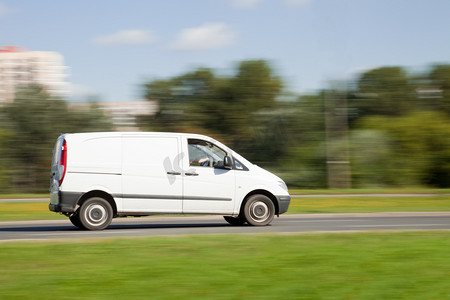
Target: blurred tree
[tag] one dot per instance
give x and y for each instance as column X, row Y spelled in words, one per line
column 301, row 159
column 5, row 173
column 223, row 106
column 373, row 158
column 438, row 93
column 415, row 149
column 33, row 122
column 392, row 113
column 254, row 88
column 384, row 91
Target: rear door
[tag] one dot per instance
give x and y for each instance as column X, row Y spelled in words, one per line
column 151, row 174
column 207, row 188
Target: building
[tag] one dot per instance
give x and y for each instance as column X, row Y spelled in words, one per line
column 123, row 114
column 20, row 67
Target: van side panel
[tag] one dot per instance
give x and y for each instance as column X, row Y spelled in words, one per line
column 98, row 155
column 152, row 180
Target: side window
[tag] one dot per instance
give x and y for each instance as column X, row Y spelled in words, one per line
column 204, row 154
column 239, row 166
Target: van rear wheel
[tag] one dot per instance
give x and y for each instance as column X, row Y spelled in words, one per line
column 259, row 210
column 75, row 219
column 95, row 214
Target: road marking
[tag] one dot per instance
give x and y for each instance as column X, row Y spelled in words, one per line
column 396, row 225
column 317, row 221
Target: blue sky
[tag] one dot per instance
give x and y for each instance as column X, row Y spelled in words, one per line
column 113, row 47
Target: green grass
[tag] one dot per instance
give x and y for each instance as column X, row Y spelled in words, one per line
column 27, row 211
column 368, row 204
column 23, row 196
column 407, row 190
column 407, row 265
column 24, row 211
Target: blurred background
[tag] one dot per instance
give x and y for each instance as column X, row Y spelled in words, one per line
column 324, row 93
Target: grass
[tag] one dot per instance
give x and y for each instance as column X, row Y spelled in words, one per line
column 27, row 211
column 368, row 204
column 407, row 265
column 407, row 190
column 23, row 196
column 24, row 211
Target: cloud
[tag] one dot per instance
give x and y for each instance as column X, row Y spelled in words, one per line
column 126, row 37
column 245, row 3
column 209, row 36
column 4, row 10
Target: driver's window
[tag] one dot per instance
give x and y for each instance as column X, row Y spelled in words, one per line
column 204, row 154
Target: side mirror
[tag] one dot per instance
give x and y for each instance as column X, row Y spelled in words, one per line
column 227, row 162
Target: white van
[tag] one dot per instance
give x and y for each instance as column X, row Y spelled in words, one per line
column 99, row 176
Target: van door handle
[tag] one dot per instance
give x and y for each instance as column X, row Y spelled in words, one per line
column 191, row 174
column 173, row 173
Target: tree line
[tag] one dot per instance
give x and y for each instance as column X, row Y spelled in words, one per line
column 386, row 128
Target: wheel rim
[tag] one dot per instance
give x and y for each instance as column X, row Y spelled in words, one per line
column 96, row 214
column 259, row 211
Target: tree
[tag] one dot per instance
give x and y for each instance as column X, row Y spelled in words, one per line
column 384, row 91
column 439, row 83
column 412, row 150
column 33, row 122
column 224, row 106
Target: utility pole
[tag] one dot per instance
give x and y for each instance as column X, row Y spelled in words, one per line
column 336, row 134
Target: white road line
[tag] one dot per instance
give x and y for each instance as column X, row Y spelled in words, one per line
column 317, row 221
column 395, row 225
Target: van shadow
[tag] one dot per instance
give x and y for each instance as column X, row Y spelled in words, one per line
column 114, row 227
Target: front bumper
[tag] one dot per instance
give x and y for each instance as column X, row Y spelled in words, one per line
column 283, row 204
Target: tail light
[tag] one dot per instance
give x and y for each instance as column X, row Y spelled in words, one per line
column 63, row 162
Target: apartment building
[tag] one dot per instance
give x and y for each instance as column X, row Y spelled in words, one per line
column 21, row 67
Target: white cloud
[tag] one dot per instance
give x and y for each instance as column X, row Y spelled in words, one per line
column 297, row 2
column 126, row 37
column 206, row 37
column 245, row 3
column 4, row 10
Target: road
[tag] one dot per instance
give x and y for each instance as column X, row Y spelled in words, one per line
column 171, row 226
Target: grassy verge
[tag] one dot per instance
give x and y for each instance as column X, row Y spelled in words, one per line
column 27, row 211
column 412, row 265
column 23, row 196
column 368, row 204
column 410, row 190
column 24, row 211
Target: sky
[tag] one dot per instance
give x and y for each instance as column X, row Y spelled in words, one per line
column 112, row 48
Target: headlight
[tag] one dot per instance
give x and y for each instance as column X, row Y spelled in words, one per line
column 283, row 185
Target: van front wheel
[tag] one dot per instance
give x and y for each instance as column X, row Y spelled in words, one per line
column 259, row 210
column 235, row 221
column 95, row 214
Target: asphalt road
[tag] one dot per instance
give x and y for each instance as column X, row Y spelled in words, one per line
column 172, row 226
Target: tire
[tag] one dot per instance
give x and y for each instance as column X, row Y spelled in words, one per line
column 235, row 221
column 75, row 219
column 95, row 214
column 259, row 210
